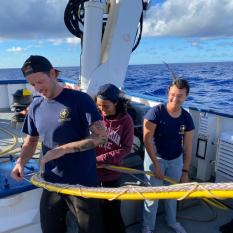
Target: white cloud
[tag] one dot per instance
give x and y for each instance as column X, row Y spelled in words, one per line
column 15, row 49
column 43, row 19
column 68, row 40
column 195, row 43
column 192, row 18
column 32, row 19
column 72, row 40
column 56, row 42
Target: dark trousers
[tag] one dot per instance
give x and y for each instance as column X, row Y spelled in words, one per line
column 112, row 219
column 54, row 207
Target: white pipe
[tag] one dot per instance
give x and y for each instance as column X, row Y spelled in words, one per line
column 92, row 36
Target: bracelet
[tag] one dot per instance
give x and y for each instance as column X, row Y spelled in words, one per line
column 185, row 170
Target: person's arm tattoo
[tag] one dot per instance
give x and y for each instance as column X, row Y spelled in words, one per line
column 83, row 145
column 98, row 136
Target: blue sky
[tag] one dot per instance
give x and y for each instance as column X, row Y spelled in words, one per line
column 174, row 31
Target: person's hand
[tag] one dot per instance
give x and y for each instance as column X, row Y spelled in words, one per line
column 158, row 172
column 17, row 173
column 184, row 177
column 52, row 154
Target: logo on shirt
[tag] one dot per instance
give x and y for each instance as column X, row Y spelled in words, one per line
column 182, row 129
column 64, row 115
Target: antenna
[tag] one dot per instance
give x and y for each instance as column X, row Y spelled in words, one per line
column 174, row 76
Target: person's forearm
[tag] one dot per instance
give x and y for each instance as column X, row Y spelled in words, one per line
column 187, row 161
column 78, row 146
column 187, row 150
column 72, row 147
column 150, row 148
column 26, row 154
column 187, row 157
column 83, row 145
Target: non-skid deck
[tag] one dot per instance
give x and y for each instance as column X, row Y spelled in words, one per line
column 196, row 219
column 194, row 214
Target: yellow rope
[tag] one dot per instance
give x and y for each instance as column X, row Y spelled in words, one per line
column 139, row 192
column 212, row 202
column 11, row 149
column 12, row 145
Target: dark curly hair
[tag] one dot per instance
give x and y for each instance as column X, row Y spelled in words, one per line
column 122, row 105
column 180, row 84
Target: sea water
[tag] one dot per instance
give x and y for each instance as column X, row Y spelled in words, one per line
column 211, row 83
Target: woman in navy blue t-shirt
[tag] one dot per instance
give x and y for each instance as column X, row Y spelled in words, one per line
column 168, row 132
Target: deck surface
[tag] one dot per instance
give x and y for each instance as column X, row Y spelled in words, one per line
column 196, row 219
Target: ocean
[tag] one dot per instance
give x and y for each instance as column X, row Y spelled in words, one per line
column 211, row 83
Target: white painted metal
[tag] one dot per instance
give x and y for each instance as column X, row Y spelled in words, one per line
column 4, row 103
column 206, row 146
column 20, row 213
column 92, row 36
column 224, row 160
column 117, row 44
column 196, row 117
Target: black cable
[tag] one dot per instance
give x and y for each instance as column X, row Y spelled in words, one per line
column 227, row 205
column 74, row 17
column 139, row 33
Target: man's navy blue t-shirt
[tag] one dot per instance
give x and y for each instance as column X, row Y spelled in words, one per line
column 65, row 119
column 169, row 131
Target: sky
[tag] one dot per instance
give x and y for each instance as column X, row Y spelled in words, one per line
column 175, row 31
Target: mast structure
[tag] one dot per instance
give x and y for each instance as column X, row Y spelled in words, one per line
column 110, row 32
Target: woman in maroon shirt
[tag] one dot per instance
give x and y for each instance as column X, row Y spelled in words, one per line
column 119, row 126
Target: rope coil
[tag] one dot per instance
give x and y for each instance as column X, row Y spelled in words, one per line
column 130, row 192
